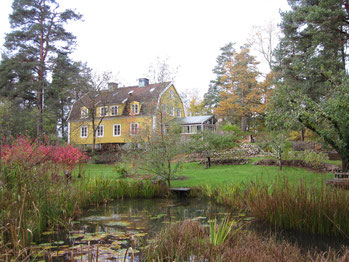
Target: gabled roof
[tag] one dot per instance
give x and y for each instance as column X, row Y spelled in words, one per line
column 192, row 120
column 148, row 97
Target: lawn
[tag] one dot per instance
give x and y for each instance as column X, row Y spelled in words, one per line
column 196, row 175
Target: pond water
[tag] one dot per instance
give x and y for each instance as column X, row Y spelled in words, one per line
column 107, row 232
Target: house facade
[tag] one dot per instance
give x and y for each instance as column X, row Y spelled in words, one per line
column 119, row 113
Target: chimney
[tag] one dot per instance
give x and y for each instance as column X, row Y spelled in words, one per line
column 112, row 86
column 142, row 82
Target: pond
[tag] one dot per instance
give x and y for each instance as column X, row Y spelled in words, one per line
column 107, row 232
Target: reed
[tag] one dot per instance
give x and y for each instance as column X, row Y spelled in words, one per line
column 189, row 241
column 302, row 207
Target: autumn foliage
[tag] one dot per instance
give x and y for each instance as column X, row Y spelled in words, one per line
column 25, row 151
column 242, row 95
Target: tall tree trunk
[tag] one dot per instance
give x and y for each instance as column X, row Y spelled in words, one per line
column 94, row 135
column 243, row 123
column 39, row 118
column 169, row 174
column 302, row 134
column 345, row 164
column 62, row 120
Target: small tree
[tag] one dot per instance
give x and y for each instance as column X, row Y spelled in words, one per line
column 207, row 142
column 158, row 152
column 276, row 143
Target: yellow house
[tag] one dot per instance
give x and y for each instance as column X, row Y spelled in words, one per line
column 117, row 114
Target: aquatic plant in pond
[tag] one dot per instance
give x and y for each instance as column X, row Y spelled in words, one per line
column 227, row 227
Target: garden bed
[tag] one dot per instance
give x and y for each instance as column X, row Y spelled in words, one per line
column 227, row 161
column 318, row 167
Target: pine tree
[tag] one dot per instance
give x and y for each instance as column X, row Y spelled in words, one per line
column 212, row 97
column 37, row 34
column 313, row 86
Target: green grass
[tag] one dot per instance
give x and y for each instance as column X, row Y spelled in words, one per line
column 198, row 175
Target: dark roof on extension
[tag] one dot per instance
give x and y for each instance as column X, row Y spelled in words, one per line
column 147, row 96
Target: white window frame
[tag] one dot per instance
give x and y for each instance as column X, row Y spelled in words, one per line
column 97, row 131
column 112, row 111
column 101, row 109
column 172, row 113
column 133, row 107
column 179, row 112
column 119, row 129
column 131, row 125
column 81, row 132
column 84, row 113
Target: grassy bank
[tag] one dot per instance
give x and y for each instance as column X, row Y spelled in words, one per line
column 197, row 175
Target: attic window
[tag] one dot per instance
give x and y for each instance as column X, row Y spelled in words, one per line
column 84, row 113
column 130, row 93
column 124, row 101
column 134, row 109
column 152, row 89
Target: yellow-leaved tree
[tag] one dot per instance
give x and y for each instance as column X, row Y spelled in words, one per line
column 242, row 96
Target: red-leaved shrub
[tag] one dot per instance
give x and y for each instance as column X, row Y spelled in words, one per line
column 28, row 152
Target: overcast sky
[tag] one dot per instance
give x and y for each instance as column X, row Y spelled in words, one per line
column 125, row 37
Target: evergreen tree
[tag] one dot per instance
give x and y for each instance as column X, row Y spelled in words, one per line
column 67, row 83
column 212, row 97
column 37, row 34
column 311, row 61
column 315, row 36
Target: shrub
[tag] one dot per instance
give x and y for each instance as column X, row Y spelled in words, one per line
column 29, row 153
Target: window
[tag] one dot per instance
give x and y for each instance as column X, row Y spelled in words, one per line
column 100, row 131
column 171, row 94
column 179, row 112
column 83, row 133
column 134, row 129
column 103, row 110
column 114, row 110
column 84, row 113
column 117, row 130
column 171, row 111
column 134, row 109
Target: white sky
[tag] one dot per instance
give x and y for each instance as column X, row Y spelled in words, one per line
column 125, row 37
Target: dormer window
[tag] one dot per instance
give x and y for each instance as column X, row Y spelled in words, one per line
column 84, row 113
column 103, row 110
column 114, row 110
column 134, row 109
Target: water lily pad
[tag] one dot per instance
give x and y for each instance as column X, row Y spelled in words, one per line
column 198, row 218
column 48, row 233
column 117, row 223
